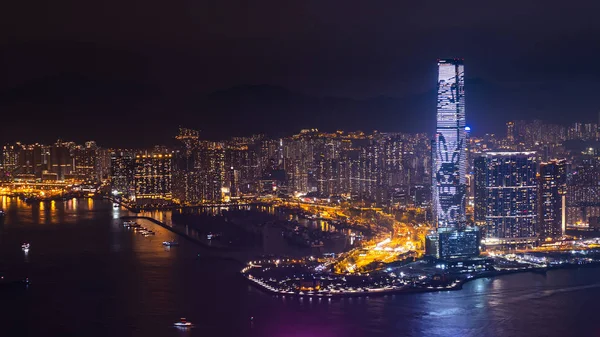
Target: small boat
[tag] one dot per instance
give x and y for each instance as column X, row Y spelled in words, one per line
column 211, row 236
column 170, row 243
column 128, row 223
column 183, row 324
column 13, row 283
column 25, row 247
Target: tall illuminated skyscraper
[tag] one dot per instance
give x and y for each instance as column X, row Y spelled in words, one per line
column 449, row 154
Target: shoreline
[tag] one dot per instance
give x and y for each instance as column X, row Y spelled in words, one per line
column 413, row 290
column 138, row 209
column 404, row 290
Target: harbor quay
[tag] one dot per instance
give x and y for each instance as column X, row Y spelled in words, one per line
column 312, row 276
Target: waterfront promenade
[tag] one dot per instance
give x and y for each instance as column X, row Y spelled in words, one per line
column 324, row 284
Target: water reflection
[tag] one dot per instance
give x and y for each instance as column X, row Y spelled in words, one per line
column 116, row 212
column 124, row 284
column 243, row 225
column 47, row 212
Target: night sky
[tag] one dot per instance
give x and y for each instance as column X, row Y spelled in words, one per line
column 128, row 72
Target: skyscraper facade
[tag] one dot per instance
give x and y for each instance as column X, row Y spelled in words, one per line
column 449, row 161
column 583, row 192
column 61, row 164
column 449, row 167
column 552, row 199
column 186, row 178
column 510, row 132
column 152, row 177
column 122, row 167
column 84, row 161
column 507, row 196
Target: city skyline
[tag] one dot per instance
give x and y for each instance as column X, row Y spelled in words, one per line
column 299, row 168
column 516, row 189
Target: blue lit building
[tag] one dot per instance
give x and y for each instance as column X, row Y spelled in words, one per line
column 460, row 243
column 453, row 244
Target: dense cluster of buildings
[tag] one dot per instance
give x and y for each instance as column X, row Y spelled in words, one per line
column 382, row 168
column 57, row 162
column 517, row 189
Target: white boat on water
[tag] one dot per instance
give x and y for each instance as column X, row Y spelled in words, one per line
column 170, row 243
column 25, row 247
column 128, row 223
column 183, row 324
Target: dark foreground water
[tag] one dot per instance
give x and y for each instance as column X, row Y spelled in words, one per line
column 92, row 277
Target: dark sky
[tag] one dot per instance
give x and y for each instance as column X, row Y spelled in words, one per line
column 128, row 72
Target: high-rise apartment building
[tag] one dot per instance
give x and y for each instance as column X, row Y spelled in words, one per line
column 102, row 165
column 152, row 177
column 211, row 165
column 61, row 164
column 583, row 192
column 32, row 161
column 186, row 178
column 122, row 173
column 510, row 132
column 506, row 197
column 552, row 199
column 84, row 161
column 10, row 159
